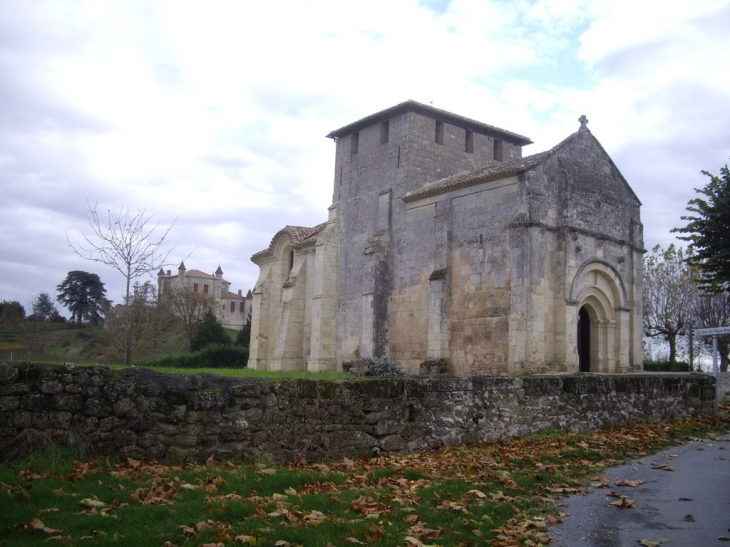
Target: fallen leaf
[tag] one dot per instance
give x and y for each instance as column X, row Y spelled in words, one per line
column 187, row 531
column 416, row 542
column 625, row 503
column 36, row 524
column 686, row 499
column 94, row 504
column 689, row 518
column 251, row 540
column 267, row 471
column 663, row 466
column 627, row 482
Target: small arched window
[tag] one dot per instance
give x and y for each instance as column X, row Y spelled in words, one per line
column 291, row 259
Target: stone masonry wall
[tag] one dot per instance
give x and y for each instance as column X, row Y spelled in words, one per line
column 146, row 414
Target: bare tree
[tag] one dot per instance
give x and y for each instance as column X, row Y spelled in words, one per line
column 669, row 291
column 189, row 305
column 149, row 320
column 126, row 242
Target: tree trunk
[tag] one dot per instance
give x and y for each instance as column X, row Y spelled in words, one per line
column 672, row 341
column 128, row 329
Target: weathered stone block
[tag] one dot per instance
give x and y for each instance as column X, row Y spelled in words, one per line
column 132, row 451
column 177, row 453
column 22, row 419
column 386, row 427
column 50, row 387
column 96, row 406
column 109, row 424
column 375, row 417
column 249, row 389
column 15, row 389
column 186, row 440
column 207, row 400
column 8, row 373
column 9, row 403
column 123, row 406
column 60, row 420
column 124, row 437
column 68, row 402
column 392, row 443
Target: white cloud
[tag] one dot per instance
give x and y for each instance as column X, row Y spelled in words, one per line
column 215, row 114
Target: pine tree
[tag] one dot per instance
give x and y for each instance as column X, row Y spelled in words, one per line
column 209, row 331
column 243, row 338
column 83, row 294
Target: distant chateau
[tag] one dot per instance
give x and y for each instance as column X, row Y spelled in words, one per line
column 231, row 310
column 444, row 242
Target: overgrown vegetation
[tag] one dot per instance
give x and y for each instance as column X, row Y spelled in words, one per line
column 502, row 493
column 373, row 366
column 665, row 366
column 211, row 356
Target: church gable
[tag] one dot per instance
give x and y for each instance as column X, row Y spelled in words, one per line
column 587, row 192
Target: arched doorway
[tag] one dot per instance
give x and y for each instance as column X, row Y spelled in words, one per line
column 584, row 341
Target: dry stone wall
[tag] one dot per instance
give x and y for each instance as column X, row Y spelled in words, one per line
column 146, row 414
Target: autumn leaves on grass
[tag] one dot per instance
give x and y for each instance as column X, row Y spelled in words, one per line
column 502, row 493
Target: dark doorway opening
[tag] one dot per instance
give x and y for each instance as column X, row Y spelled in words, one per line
column 584, row 341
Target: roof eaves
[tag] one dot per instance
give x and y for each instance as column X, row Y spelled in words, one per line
column 414, row 106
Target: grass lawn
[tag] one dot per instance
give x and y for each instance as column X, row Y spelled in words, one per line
column 501, row 493
column 250, row 373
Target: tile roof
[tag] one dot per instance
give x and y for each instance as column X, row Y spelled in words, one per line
column 231, row 296
column 299, row 236
column 198, row 273
column 414, row 106
column 495, row 171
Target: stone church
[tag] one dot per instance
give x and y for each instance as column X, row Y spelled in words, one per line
column 443, row 241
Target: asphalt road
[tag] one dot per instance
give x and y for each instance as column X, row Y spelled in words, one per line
column 701, row 472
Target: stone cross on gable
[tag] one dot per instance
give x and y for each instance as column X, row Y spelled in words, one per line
column 583, row 122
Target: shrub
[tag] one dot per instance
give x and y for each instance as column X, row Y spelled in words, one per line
column 378, row 366
column 664, row 366
column 435, row 366
column 212, row 356
column 384, row 366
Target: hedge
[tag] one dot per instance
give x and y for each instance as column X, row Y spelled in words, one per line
column 213, row 356
column 663, row 366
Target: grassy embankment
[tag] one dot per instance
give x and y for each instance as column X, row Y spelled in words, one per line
column 502, row 493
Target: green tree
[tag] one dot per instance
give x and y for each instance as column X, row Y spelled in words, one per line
column 83, row 294
column 43, row 307
column 11, row 312
column 243, row 338
column 209, row 331
column 669, row 293
column 708, row 231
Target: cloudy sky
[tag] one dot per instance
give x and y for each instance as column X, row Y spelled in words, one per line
column 213, row 114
